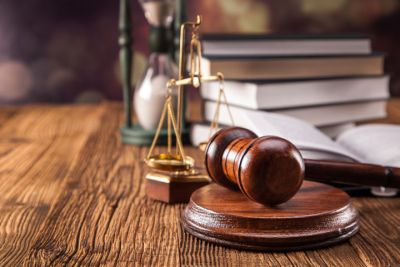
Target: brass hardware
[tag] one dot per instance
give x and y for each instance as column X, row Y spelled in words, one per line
column 175, row 160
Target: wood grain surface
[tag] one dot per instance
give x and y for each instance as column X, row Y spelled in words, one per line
column 72, row 194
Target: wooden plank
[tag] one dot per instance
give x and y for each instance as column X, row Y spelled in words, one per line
column 37, row 148
column 6, row 113
column 107, row 215
column 72, row 194
column 380, row 231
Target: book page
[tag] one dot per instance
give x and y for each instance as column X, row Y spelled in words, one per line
column 302, row 134
column 305, row 136
column 374, row 143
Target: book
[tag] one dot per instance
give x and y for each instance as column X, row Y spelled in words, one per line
column 199, row 132
column 274, row 95
column 273, row 45
column 315, row 115
column 298, row 67
column 370, row 143
column 333, row 131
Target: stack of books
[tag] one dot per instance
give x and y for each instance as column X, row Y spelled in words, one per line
column 330, row 82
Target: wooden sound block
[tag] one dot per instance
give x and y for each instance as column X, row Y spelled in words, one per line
column 318, row 215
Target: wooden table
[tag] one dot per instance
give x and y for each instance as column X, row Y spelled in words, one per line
column 71, row 193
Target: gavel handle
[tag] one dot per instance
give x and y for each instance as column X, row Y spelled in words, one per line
column 352, row 173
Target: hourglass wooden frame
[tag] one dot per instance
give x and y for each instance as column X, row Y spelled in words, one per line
column 175, row 166
column 132, row 132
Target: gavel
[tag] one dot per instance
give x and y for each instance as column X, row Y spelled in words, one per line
column 270, row 170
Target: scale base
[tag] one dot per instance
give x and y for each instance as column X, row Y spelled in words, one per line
column 136, row 135
column 172, row 188
column 319, row 215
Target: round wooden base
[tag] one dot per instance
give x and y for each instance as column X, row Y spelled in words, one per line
column 319, row 215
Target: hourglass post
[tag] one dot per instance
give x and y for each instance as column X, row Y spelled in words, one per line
column 125, row 56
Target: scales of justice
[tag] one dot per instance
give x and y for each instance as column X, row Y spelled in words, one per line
column 174, row 176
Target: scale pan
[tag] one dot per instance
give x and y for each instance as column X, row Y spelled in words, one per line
column 168, row 162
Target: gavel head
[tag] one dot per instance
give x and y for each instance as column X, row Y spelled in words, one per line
column 268, row 170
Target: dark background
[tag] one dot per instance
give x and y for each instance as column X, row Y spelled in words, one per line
column 66, row 50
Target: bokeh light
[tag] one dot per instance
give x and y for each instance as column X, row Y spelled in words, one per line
column 65, row 51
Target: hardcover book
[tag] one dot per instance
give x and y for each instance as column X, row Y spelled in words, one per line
column 298, row 93
column 274, row 45
column 315, row 115
column 299, row 67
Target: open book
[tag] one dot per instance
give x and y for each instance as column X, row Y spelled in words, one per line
column 374, row 143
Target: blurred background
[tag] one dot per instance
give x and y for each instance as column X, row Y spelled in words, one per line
column 67, row 51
